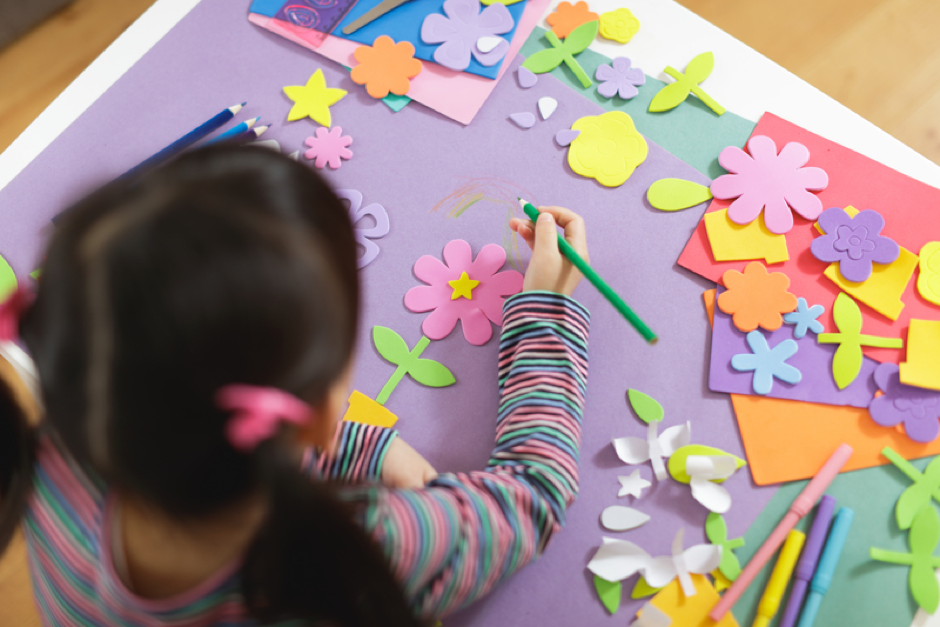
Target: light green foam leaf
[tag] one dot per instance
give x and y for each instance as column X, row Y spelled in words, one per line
column 677, row 194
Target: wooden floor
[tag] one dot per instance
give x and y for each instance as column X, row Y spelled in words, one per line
column 880, row 58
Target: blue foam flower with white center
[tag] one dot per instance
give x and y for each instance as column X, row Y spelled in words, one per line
column 767, row 363
column 805, row 318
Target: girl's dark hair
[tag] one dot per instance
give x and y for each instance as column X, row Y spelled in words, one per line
column 229, row 265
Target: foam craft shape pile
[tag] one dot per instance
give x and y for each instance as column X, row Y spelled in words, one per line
column 617, row 560
column 774, row 432
column 461, row 30
column 646, row 407
column 526, row 77
column 730, row 241
column 393, row 348
column 609, row 592
column 313, row 100
column 853, row 179
column 917, row 408
column 457, row 95
column 922, row 539
column 365, row 235
column 854, row 242
column 922, row 367
column 847, row 361
column 717, row 532
column 620, row 518
column 608, row 148
column 928, row 282
column 756, row 298
column 547, row 106
column 674, row 94
column 474, row 315
column 676, row 194
column 635, row 451
column 805, row 318
column 565, row 136
column 686, row 611
column 563, row 52
column 620, row 25
column 884, row 288
column 386, row 67
column 764, row 181
column 917, row 496
column 525, row 119
column 677, row 461
column 632, row 484
column 619, row 79
column 364, row 410
column 328, row 147
column 567, row 17
column 767, row 363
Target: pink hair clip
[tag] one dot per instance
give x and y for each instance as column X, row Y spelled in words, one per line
column 257, row 413
column 11, row 310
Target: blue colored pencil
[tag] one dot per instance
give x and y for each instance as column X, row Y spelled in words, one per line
column 187, row 140
column 233, row 132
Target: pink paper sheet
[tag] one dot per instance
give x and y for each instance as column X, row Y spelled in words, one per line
column 457, row 95
column 910, row 208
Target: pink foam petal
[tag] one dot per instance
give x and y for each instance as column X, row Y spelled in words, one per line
column 793, row 156
column 492, row 293
column 813, row 179
column 430, row 270
column 805, row 203
column 762, row 148
column 734, row 160
column 441, row 321
column 505, row 283
column 489, row 260
column 492, row 308
column 728, row 186
column 458, row 256
column 777, row 215
column 745, row 209
column 425, row 298
column 476, row 327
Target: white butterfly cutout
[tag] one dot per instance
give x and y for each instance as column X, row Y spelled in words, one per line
column 704, row 470
column 636, row 451
column 651, row 616
column 616, row 560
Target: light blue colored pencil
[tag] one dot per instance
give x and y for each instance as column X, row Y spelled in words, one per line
column 233, row 132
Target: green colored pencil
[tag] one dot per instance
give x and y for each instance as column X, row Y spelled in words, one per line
column 595, row 279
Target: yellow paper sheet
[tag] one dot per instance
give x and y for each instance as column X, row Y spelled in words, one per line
column 922, row 367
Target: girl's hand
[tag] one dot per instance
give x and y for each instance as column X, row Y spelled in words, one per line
column 405, row 468
column 548, row 269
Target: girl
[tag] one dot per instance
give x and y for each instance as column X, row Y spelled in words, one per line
column 193, row 332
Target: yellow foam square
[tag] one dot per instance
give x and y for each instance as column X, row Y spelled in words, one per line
column 364, row 410
column 743, row 242
column 922, row 367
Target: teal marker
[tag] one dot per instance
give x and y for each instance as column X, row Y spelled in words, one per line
column 595, row 279
column 827, row 566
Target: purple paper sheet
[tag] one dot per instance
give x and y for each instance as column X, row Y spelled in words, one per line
column 440, row 181
column 814, row 361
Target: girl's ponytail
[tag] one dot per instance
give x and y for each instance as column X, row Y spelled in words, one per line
column 310, row 561
column 17, row 451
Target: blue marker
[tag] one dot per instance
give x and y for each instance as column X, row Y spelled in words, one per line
column 827, row 566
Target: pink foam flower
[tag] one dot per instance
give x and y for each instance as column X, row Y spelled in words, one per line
column 764, row 180
column 328, row 147
column 463, row 288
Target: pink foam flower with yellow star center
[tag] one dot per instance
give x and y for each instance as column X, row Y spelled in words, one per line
column 463, row 289
column 773, row 183
column 328, row 146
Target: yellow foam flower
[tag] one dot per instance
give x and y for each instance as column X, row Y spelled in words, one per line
column 608, row 148
column 619, row 25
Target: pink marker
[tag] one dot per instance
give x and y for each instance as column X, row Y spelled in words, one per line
column 800, row 507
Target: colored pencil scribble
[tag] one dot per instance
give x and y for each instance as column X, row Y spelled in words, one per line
column 490, row 194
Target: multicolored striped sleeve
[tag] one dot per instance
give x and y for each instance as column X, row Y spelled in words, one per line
column 453, row 541
column 358, row 453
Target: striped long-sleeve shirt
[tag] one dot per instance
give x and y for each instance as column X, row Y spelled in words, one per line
column 448, row 543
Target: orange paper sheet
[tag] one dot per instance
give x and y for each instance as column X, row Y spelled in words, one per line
column 910, row 209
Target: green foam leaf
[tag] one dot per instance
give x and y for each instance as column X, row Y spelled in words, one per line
column 431, row 373
column 646, row 407
column 677, row 460
column 717, row 532
column 609, row 592
column 642, row 589
column 700, row 67
column 390, row 345
column 677, row 194
column 669, row 97
column 580, row 38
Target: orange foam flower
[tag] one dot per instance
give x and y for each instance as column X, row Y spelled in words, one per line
column 568, row 17
column 756, row 298
column 386, row 67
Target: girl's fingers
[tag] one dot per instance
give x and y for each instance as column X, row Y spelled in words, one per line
column 573, row 225
column 524, row 229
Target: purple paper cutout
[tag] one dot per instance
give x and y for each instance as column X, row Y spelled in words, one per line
column 565, row 136
column 619, row 78
column 917, row 408
column 365, row 235
column 459, row 32
column 855, row 242
column 812, row 360
column 526, row 77
column 524, row 119
column 767, row 363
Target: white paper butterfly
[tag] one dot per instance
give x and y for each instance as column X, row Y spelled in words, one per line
column 616, row 560
column 704, row 470
column 636, row 451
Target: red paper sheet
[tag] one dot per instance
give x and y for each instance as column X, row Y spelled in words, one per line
column 911, row 210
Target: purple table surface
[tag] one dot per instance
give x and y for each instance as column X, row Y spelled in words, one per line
column 421, row 166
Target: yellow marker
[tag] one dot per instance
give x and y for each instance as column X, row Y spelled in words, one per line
column 779, row 578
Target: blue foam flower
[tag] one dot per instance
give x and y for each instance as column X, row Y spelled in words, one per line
column 805, row 318
column 767, row 363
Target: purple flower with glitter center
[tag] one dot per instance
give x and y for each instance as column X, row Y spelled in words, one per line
column 459, row 32
column 619, row 78
column 854, row 241
column 917, row 408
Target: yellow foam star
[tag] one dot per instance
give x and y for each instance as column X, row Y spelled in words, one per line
column 463, row 287
column 313, row 99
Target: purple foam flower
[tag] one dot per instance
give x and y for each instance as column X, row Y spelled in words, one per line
column 619, row 78
column 917, row 408
column 855, row 242
column 459, row 32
